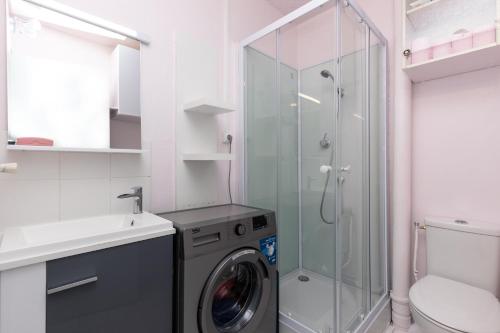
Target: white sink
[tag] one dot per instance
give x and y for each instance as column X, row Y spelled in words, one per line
column 27, row 245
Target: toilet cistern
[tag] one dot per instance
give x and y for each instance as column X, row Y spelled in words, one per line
column 460, row 291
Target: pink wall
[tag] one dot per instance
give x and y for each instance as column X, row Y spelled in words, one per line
column 317, row 38
column 247, row 17
column 456, row 148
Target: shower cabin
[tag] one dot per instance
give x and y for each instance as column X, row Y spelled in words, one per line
column 315, row 85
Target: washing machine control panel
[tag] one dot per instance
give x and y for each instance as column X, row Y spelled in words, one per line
column 248, row 228
column 259, row 222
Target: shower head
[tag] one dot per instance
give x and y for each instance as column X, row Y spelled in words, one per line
column 326, row 74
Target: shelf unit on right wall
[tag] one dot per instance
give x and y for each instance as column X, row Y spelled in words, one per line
column 432, row 24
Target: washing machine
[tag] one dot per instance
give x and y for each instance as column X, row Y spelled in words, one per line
column 226, row 274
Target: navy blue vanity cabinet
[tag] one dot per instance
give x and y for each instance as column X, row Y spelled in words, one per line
column 124, row 289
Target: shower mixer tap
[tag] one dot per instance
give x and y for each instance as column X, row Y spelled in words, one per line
column 346, row 169
column 325, row 142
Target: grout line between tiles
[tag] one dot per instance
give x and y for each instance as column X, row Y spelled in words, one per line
column 59, row 196
column 109, row 183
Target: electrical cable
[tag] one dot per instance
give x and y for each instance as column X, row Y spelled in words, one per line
column 230, row 139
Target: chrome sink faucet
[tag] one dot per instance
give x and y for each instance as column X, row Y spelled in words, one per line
column 137, row 195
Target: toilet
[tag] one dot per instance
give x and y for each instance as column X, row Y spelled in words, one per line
column 462, row 289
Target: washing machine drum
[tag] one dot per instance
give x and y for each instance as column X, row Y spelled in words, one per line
column 236, row 295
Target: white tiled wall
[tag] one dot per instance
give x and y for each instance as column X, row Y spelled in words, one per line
column 50, row 186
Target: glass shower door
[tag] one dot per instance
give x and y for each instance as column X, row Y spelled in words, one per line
column 315, row 113
column 352, row 174
column 272, row 142
column 378, row 153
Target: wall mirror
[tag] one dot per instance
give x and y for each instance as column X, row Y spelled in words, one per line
column 73, row 79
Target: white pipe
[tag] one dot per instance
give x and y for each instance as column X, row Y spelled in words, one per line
column 401, row 191
column 415, row 252
column 8, row 168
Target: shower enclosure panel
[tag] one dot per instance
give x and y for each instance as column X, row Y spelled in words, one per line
column 315, row 152
column 270, row 120
column 361, row 167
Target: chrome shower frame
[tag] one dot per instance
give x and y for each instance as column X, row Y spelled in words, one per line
column 384, row 303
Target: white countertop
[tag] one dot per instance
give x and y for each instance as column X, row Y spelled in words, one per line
column 27, row 245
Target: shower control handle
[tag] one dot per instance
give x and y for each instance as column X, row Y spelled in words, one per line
column 324, row 169
column 346, row 169
column 240, row 230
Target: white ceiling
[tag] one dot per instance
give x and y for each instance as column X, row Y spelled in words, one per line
column 286, row 6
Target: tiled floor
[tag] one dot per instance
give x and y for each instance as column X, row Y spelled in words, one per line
column 311, row 303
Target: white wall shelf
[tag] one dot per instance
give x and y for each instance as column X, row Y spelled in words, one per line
column 208, row 157
column 74, row 150
column 419, row 8
column 209, row 107
column 434, row 22
column 458, row 63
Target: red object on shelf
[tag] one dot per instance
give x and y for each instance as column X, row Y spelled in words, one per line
column 34, row 142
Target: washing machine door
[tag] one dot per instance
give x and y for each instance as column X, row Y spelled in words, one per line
column 236, row 295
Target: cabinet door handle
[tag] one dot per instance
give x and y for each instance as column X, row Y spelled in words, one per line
column 71, row 285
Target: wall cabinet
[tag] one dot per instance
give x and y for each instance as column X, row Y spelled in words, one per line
column 125, row 90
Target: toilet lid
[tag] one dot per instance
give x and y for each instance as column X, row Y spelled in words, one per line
column 456, row 305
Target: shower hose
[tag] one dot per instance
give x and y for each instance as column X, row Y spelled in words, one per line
column 322, row 205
